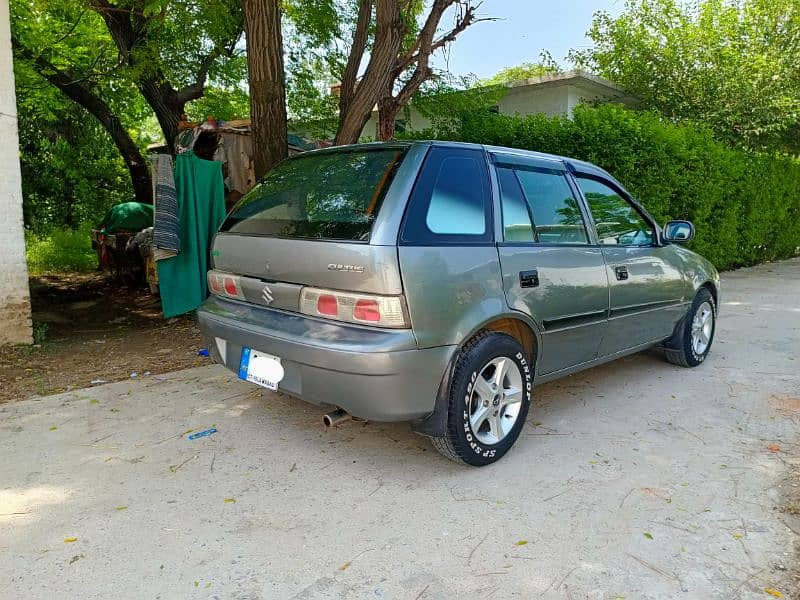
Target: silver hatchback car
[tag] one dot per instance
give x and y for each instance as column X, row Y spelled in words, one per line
column 437, row 283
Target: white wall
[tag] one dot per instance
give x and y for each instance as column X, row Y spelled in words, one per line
column 15, row 306
column 552, row 100
column 531, row 100
column 413, row 119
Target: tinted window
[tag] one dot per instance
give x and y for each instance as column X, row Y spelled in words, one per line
column 616, row 220
column 331, row 195
column 554, row 210
column 450, row 202
column 517, row 225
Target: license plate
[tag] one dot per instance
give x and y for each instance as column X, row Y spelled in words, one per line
column 260, row 368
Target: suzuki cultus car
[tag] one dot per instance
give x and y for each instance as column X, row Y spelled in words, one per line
column 438, row 283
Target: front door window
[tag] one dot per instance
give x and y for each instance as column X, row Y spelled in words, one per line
column 618, row 223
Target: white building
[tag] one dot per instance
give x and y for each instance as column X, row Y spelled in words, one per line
column 549, row 94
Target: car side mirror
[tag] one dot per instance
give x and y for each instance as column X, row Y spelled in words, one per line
column 678, row 231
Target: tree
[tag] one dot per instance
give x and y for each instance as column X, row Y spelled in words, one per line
column 731, row 65
column 267, row 86
column 165, row 49
column 168, row 47
column 105, row 56
column 81, row 93
column 38, row 49
column 399, row 59
column 71, row 170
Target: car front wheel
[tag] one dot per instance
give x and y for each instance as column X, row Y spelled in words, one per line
column 490, row 394
column 692, row 343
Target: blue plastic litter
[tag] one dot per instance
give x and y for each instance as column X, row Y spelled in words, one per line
column 200, row 434
column 203, row 352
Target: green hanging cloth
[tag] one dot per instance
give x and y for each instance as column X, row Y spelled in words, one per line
column 201, row 210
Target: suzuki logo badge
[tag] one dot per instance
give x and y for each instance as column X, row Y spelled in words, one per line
column 266, row 295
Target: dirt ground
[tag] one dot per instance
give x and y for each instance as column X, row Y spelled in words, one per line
column 92, row 328
column 637, row 480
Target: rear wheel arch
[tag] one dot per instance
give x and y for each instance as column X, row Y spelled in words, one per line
column 483, row 422
column 517, row 327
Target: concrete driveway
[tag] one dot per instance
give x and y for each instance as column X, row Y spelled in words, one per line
column 634, row 480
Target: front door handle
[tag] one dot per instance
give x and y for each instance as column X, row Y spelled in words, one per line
column 529, row 279
column 621, row 273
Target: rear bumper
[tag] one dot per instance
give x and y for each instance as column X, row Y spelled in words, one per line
column 375, row 374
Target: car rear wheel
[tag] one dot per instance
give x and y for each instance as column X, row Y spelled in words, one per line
column 488, row 401
column 692, row 343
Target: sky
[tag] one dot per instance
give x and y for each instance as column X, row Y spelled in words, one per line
column 524, row 29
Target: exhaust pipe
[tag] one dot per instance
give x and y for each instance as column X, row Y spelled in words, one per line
column 336, row 417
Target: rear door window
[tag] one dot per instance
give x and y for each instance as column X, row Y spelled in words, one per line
column 517, row 221
column 326, row 195
column 539, row 206
column 451, row 201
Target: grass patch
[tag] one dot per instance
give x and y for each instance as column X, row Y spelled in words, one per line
column 59, row 250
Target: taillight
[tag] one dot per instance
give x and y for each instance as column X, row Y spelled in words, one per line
column 214, row 283
column 225, row 284
column 367, row 309
column 230, row 286
column 327, row 305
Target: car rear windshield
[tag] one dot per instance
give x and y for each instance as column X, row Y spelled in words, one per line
column 328, row 195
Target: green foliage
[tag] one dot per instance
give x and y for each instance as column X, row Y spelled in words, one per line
column 71, row 170
column 40, row 332
column 732, row 65
column 57, row 250
column 745, row 205
column 527, row 70
column 445, row 101
column 222, row 103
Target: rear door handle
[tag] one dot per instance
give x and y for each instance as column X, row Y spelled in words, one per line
column 529, row 279
column 621, row 273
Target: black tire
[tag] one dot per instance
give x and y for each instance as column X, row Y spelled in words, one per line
column 460, row 443
column 680, row 349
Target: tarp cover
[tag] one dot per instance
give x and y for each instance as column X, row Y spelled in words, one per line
column 201, row 208
column 128, row 216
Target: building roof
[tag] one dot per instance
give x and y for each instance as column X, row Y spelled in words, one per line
column 573, row 77
column 589, row 83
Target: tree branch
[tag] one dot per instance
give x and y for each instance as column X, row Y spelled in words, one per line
column 72, row 29
column 196, row 89
column 81, row 92
column 119, row 26
column 464, row 20
column 360, row 38
column 425, row 37
column 427, row 45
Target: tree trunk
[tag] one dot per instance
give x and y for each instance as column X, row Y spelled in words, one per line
column 167, row 109
column 387, row 116
column 85, row 97
column 262, row 20
column 355, row 118
column 378, row 76
column 390, row 60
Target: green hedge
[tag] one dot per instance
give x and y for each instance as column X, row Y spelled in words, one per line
column 746, row 206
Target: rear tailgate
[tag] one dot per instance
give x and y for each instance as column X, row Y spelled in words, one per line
column 309, row 223
column 284, row 266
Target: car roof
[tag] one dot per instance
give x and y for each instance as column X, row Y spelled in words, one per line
column 580, row 166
